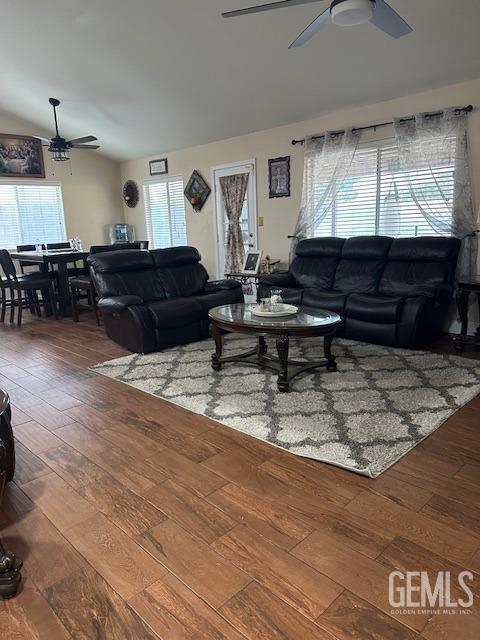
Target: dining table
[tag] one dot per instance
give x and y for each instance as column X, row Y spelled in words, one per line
column 58, row 260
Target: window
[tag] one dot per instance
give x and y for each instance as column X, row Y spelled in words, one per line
column 165, row 213
column 376, row 199
column 30, row 213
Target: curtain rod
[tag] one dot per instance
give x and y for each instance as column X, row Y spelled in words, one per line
column 458, row 111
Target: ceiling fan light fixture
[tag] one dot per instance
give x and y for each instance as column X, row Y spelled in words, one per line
column 59, row 155
column 348, row 13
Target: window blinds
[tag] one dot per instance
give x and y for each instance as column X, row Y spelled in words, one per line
column 165, row 213
column 376, row 198
column 30, row 214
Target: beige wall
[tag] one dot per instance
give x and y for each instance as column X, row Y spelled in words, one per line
column 91, row 196
column 280, row 214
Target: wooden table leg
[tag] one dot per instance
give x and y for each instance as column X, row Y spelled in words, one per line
column 463, row 296
column 63, row 288
column 262, row 346
column 282, row 350
column 217, row 337
column 327, row 349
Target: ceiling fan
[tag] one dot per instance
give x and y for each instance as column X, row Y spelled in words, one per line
column 344, row 13
column 60, row 146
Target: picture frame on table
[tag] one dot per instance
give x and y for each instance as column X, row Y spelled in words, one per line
column 158, row 167
column 279, row 177
column 251, row 263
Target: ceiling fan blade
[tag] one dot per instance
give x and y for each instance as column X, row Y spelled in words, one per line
column 319, row 22
column 84, row 139
column 266, row 7
column 389, row 21
column 84, row 146
column 42, row 139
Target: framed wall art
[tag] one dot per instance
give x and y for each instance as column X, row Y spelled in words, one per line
column 279, row 177
column 158, row 167
column 20, row 157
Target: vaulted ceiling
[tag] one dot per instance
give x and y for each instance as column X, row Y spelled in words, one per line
column 148, row 76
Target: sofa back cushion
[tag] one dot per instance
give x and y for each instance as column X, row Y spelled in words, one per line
column 128, row 272
column 362, row 264
column 316, row 261
column 417, row 261
column 180, row 271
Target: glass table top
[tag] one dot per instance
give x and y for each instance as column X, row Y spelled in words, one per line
column 241, row 314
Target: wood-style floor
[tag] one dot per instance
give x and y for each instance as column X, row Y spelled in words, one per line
column 138, row 520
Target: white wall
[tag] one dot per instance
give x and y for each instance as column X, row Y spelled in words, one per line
column 91, row 195
column 280, row 214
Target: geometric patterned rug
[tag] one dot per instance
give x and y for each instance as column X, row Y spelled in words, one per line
column 379, row 404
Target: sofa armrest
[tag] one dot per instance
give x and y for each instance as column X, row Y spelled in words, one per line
column 118, row 304
column 221, row 285
column 278, row 279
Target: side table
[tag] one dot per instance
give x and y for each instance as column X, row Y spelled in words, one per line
column 465, row 287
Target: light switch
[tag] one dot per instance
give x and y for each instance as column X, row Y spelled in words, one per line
column 260, row 221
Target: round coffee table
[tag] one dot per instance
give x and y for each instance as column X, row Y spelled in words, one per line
column 238, row 318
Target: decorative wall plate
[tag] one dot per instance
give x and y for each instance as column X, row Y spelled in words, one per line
column 197, row 191
column 130, row 193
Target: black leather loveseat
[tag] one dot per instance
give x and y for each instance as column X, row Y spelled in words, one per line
column 389, row 291
column 151, row 300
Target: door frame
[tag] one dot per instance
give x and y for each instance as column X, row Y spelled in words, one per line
column 251, row 165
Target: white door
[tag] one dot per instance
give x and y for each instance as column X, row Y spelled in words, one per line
column 249, row 212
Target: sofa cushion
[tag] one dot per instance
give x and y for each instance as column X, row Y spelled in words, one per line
column 329, row 300
column 419, row 261
column 424, row 249
column 123, row 273
column 217, row 298
column 118, row 261
column 371, row 307
column 320, row 248
column 316, row 261
column 184, row 281
column 175, row 257
column 146, row 284
column 362, row 264
column 180, row 312
column 366, row 248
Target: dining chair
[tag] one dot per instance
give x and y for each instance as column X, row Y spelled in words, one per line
column 22, row 264
column 31, row 282
column 72, row 271
column 27, row 267
column 4, row 299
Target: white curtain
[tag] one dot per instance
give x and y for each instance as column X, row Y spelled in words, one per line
column 327, row 163
column 426, row 145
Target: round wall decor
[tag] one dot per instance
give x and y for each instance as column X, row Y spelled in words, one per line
column 130, row 193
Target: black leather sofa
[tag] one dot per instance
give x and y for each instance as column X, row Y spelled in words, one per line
column 151, row 300
column 389, row 291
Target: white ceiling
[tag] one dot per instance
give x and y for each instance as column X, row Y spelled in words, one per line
column 147, row 76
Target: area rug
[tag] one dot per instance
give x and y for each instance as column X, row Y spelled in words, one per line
column 379, row 404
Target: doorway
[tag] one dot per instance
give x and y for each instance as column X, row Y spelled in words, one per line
column 249, row 211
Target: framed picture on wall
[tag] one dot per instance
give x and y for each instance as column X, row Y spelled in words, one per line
column 251, row 263
column 20, row 157
column 279, row 177
column 158, row 167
